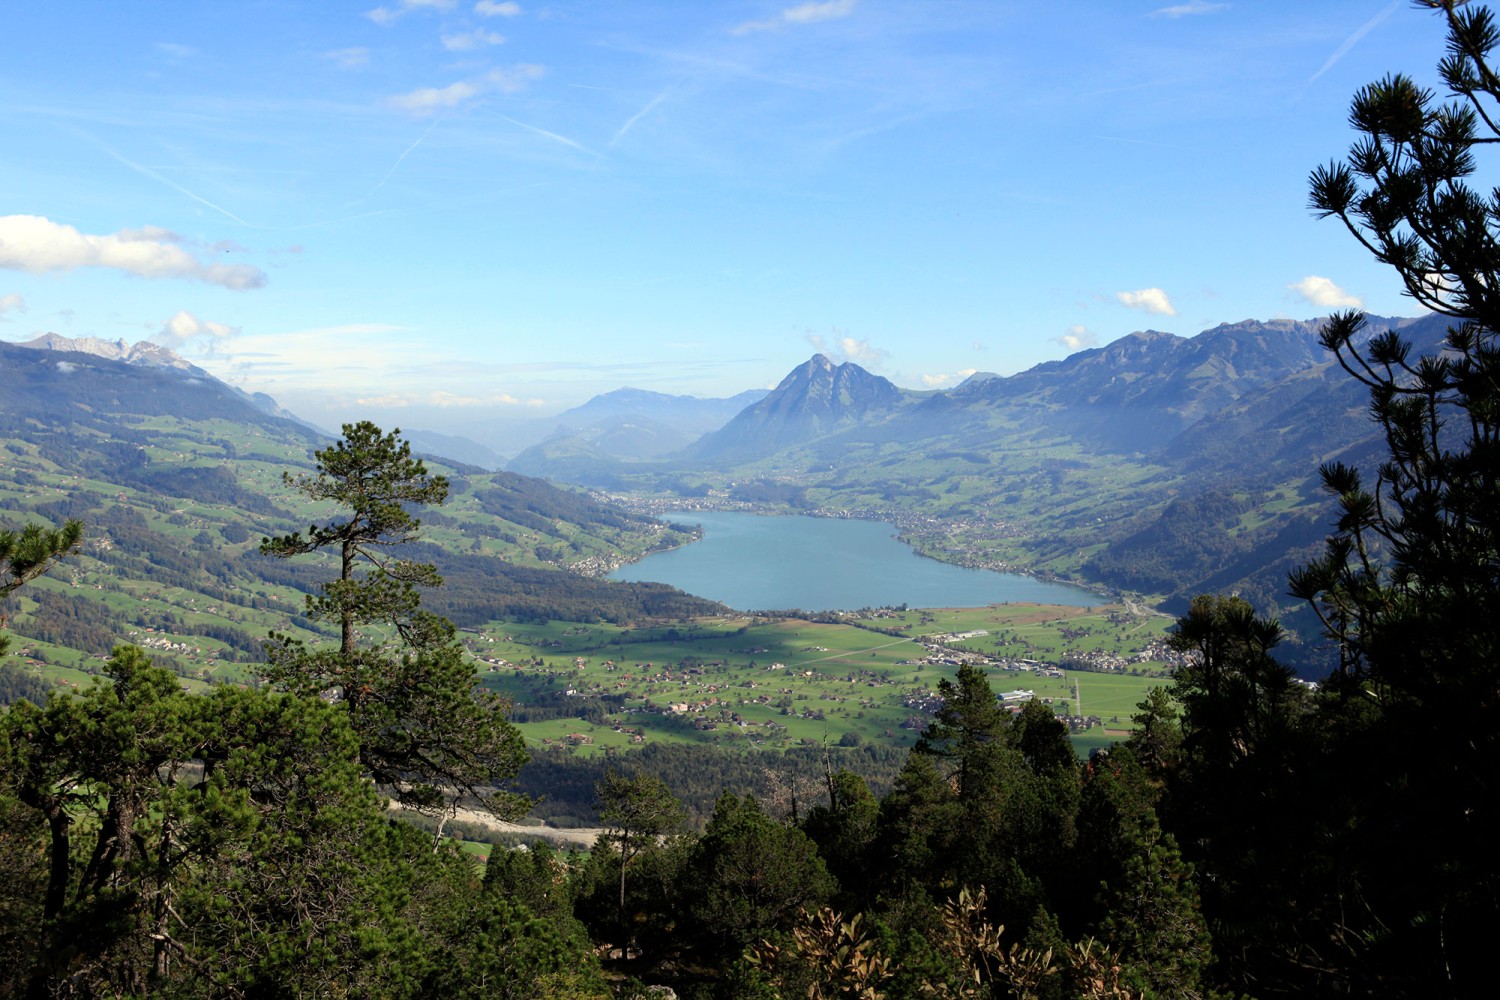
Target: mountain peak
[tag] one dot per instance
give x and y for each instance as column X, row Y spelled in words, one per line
column 815, row 399
column 143, row 352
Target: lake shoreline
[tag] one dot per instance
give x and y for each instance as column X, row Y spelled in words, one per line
column 806, row 560
column 660, row 506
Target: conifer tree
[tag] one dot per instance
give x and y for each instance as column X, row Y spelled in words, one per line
column 427, row 730
column 27, row 554
column 1388, row 791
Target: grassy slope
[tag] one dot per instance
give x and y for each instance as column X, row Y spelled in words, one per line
column 157, row 568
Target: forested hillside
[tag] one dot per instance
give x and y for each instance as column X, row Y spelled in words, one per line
column 178, row 477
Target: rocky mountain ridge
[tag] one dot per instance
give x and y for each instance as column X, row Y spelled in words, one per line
column 142, row 352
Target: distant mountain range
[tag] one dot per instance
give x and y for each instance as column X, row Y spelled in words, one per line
column 1148, row 393
column 1157, row 463
column 624, row 425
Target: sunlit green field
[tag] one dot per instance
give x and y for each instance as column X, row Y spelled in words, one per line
column 778, row 682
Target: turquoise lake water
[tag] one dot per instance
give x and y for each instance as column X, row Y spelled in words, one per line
column 755, row 562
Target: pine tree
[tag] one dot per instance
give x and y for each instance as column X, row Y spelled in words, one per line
column 427, row 730
column 27, row 554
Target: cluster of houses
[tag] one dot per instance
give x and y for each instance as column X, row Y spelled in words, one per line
column 167, row 645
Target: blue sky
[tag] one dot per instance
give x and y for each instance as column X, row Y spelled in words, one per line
column 455, row 215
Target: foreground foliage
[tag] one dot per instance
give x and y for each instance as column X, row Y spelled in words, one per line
column 226, row 844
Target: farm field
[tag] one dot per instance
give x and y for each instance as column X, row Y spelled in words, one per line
column 775, row 682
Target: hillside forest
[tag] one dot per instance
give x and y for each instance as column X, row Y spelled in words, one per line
column 1254, row 835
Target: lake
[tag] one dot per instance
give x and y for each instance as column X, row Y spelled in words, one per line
column 756, row 562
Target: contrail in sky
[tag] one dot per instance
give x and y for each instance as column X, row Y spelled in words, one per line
column 407, row 152
column 551, row 135
column 1353, row 40
column 148, row 172
column 630, row 122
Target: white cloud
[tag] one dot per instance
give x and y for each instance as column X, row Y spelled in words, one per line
column 490, row 8
column 37, row 245
column 804, row 13
column 1151, row 300
column 384, row 402
column 387, row 15
column 1324, row 293
column 944, row 381
column 1191, row 7
column 508, row 81
column 354, row 58
column 1077, row 338
column 452, row 399
column 445, row 400
column 470, row 40
column 842, row 347
column 152, row 233
column 11, row 303
column 185, row 327
column 427, row 100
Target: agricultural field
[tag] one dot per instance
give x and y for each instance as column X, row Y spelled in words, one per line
column 775, row 682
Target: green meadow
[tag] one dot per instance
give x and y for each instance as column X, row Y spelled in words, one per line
column 776, row 682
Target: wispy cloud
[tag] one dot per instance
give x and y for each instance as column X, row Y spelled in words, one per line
column 514, row 79
column 445, row 400
column 804, row 13
column 326, row 357
column 1323, row 293
column 492, row 8
column 430, row 100
column 1191, row 7
column 1078, row 338
column 352, row 58
column 470, row 40
column 337, row 366
column 176, row 52
column 1151, row 300
column 384, row 15
column 427, row 100
column 11, row 303
column 1353, row 40
column 38, row 245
